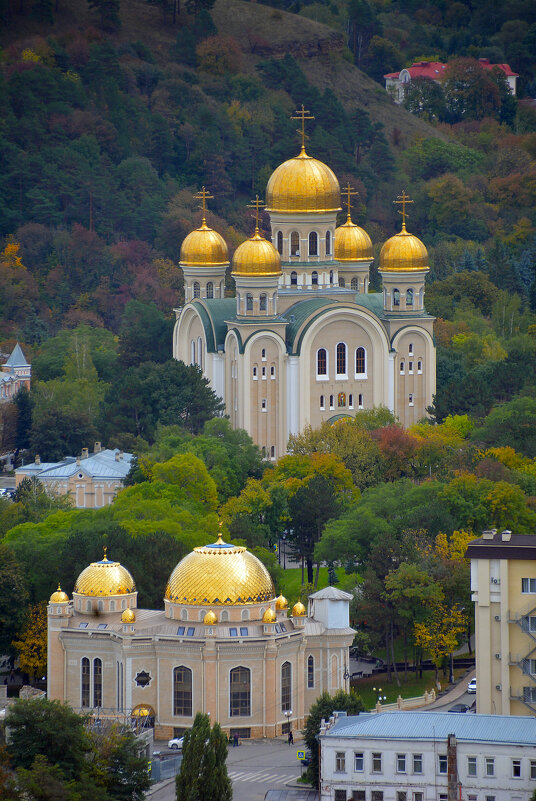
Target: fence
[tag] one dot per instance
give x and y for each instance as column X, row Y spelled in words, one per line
column 165, row 768
column 407, row 703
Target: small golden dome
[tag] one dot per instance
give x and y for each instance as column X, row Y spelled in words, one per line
column 298, row 610
column 104, row 578
column 269, row 616
column 204, row 247
column 281, row 602
column 210, row 618
column 303, row 184
column 403, row 253
column 352, row 243
column 256, row 256
column 220, row 575
column 128, row 616
column 59, row 597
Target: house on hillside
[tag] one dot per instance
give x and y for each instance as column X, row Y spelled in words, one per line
column 396, row 82
column 16, row 373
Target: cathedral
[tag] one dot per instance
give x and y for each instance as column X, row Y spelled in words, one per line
column 225, row 644
column 304, row 340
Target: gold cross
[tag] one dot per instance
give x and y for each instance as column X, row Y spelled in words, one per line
column 256, row 204
column 104, row 558
column 403, row 199
column 302, row 115
column 203, row 196
column 349, row 191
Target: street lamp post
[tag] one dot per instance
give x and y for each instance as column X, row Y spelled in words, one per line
column 288, row 714
column 379, row 697
column 283, row 537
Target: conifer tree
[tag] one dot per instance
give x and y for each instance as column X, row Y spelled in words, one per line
column 203, row 775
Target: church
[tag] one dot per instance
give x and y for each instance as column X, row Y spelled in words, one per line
column 304, row 340
column 225, row 644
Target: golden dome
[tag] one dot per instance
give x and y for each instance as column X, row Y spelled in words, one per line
column 256, row 256
column 352, row 243
column 298, row 610
column 210, row 618
column 59, row 597
column 303, row 184
column 219, row 575
column 281, row 602
column 104, row 578
column 403, row 253
column 269, row 616
column 204, row 247
column 128, row 616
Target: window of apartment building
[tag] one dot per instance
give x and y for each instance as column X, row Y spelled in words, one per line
column 490, row 798
column 417, row 763
column 358, row 761
column 340, row 795
column 533, row 768
column 377, row 795
column 472, row 798
column 529, row 695
column 358, row 795
column 418, row 796
column 443, row 797
column 401, row 795
column 400, row 763
column 528, row 585
column 471, row 765
column 490, row 766
column 376, row 762
column 442, row 768
column 340, row 762
column 516, row 768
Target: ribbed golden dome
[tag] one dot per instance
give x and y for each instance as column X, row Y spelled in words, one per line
column 281, row 602
column 128, row 616
column 210, row 618
column 104, row 578
column 204, row 246
column 403, row 252
column 256, row 256
column 219, row 575
column 303, row 184
column 59, row 597
column 352, row 243
column 269, row 616
column 298, row 610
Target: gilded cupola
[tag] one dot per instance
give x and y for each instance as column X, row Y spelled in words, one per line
column 59, row 597
column 281, row 603
column 298, row 610
column 269, row 616
column 128, row 616
column 403, row 252
column 204, row 247
column 352, row 243
column 104, row 578
column 256, row 256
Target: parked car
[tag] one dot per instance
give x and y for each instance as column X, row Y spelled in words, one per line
column 471, row 687
column 176, row 743
column 459, row 708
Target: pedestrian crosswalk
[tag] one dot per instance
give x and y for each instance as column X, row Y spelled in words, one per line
column 260, row 777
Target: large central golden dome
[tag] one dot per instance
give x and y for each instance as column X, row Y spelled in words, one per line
column 104, row 578
column 219, row 575
column 403, row 252
column 303, row 184
column 204, row 247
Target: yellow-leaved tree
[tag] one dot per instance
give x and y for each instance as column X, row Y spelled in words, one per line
column 439, row 633
column 32, row 644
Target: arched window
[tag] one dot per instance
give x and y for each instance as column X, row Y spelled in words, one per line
column 280, row 241
column 310, row 672
column 313, row 244
column 123, row 604
column 184, row 614
column 100, row 606
column 409, row 297
column 286, row 687
column 294, row 278
column 331, row 402
column 84, row 682
column 402, row 367
column 322, row 362
column 88, row 606
column 197, row 289
column 322, row 403
column 354, row 284
column 342, row 282
column 210, row 289
column 112, row 606
column 97, row 682
column 341, row 359
column 341, row 400
column 314, row 278
column 245, row 614
column 294, row 244
column 200, row 352
column 331, row 276
column 224, row 617
column 263, row 302
column 396, row 297
column 192, row 351
column 240, row 692
column 360, row 361
column 182, row 691
column 328, row 243
column 249, row 302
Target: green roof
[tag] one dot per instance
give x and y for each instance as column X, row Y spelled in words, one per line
column 214, row 312
column 299, row 312
column 372, row 301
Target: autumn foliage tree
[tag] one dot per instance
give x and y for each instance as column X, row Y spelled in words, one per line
column 32, row 643
column 439, row 633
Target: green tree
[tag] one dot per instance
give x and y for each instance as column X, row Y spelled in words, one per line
column 203, row 774
column 470, row 93
column 118, row 764
column 13, row 598
column 323, row 707
column 512, row 423
column 23, row 403
column 145, row 335
column 425, row 97
column 60, row 433
column 108, row 11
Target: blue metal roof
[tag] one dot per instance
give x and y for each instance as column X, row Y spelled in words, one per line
column 437, row 726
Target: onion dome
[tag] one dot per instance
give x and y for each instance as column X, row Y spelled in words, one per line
column 104, row 578
column 403, row 253
column 204, row 247
column 269, row 616
column 220, row 574
column 59, row 597
column 281, row 602
column 256, row 256
column 128, row 616
column 298, row 610
column 303, row 184
column 352, row 243
column 210, row 618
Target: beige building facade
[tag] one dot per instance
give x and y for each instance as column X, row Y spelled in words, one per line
column 225, row 644
column 503, row 586
column 304, row 340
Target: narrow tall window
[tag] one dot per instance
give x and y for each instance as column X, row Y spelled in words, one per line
column 310, row 672
column 182, row 691
column 340, row 762
column 314, row 278
column 262, row 303
column 313, row 244
column 331, row 276
column 341, row 359
column 97, row 682
column 331, row 406
column 210, row 289
column 192, row 351
column 280, row 241
column 409, row 297
column 200, row 352
column 322, row 403
column 360, row 362
column 85, row 681
column 294, row 244
column 240, row 692
column 249, row 302
column 197, row 289
column 360, row 401
column 354, row 284
column 286, row 688
column 321, row 362
column 328, row 243
column 396, row 297
column 342, row 282
column 294, row 278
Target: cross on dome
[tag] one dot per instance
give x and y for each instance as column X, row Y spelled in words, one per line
column 302, row 115
column 203, row 196
column 403, row 199
column 255, row 204
column 104, row 557
column 349, row 191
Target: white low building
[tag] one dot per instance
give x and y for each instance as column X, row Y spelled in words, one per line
column 427, row 756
